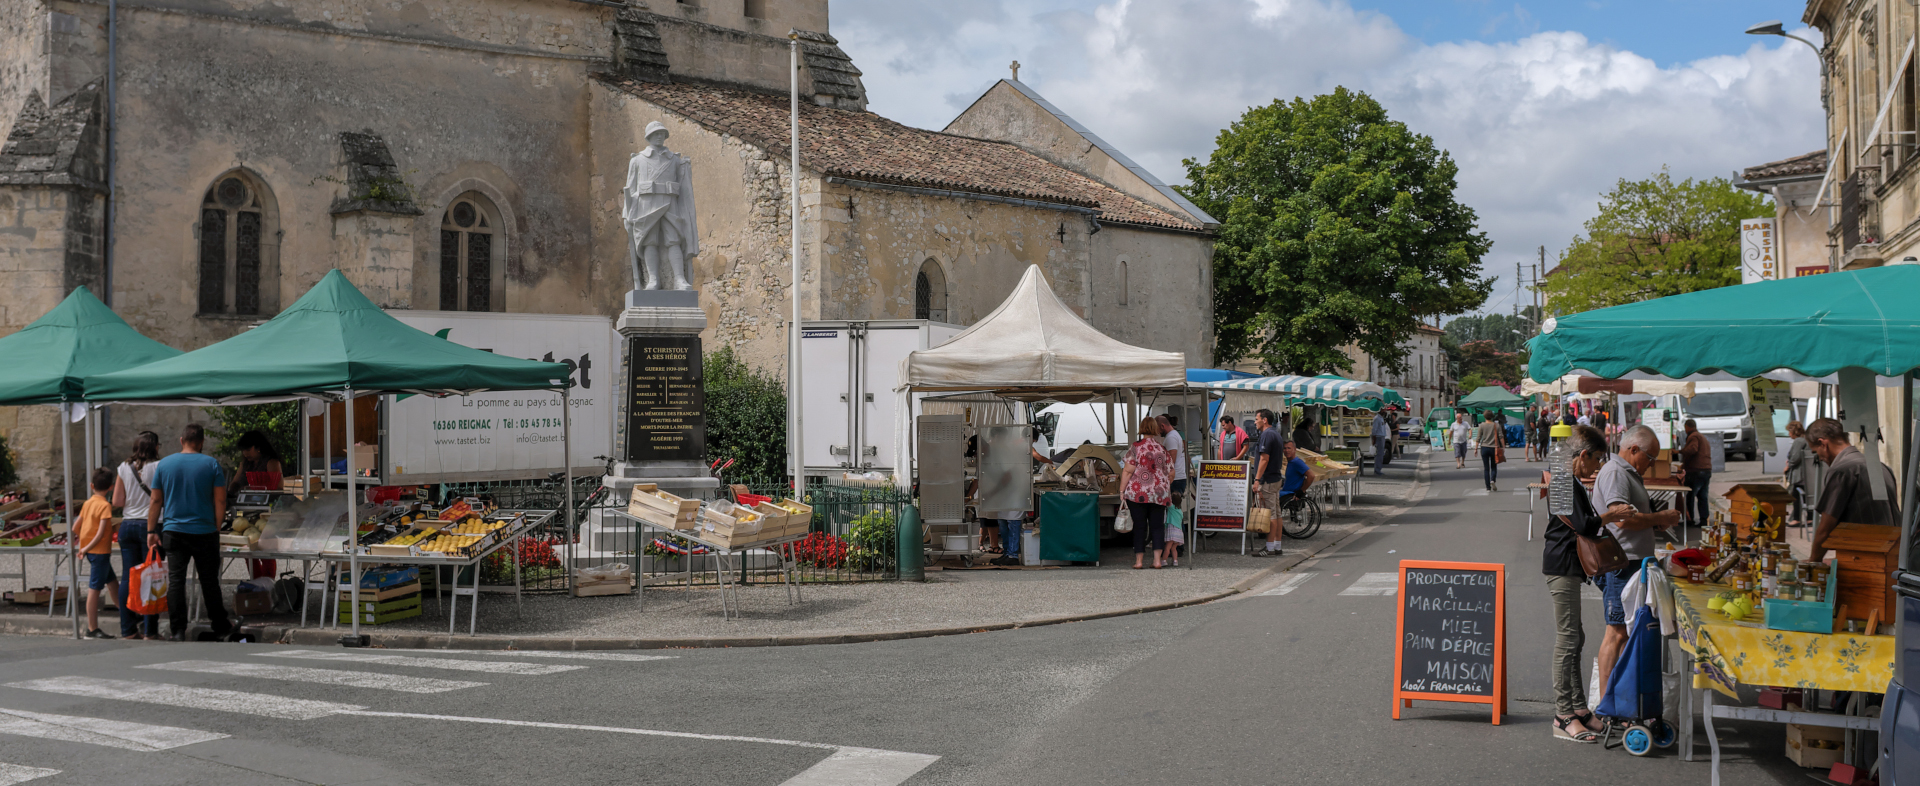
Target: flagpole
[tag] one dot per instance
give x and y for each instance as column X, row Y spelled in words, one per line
column 794, row 438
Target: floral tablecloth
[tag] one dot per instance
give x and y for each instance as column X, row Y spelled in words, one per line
column 1727, row 653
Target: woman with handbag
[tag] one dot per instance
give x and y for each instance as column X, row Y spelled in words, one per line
column 1144, row 489
column 133, row 494
column 1572, row 541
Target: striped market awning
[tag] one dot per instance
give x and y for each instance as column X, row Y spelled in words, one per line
column 1290, row 386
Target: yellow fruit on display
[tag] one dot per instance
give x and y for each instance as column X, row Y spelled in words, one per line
column 1716, row 603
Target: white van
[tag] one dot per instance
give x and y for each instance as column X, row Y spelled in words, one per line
column 1719, row 409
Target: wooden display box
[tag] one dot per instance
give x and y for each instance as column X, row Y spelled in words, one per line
column 346, row 595
column 589, row 589
column 662, row 509
column 730, row 531
column 38, row 596
column 1773, row 499
column 1801, row 750
column 1865, row 559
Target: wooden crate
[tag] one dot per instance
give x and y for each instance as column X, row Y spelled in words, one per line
column 800, row 522
column 590, row 589
column 730, row 530
column 660, row 508
column 346, row 595
column 1774, row 499
column 1865, row 559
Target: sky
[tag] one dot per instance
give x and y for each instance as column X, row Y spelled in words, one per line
column 1544, row 105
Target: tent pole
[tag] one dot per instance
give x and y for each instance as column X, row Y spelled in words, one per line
column 353, row 521
column 1913, row 468
column 73, row 536
column 1193, row 478
column 326, row 447
column 306, row 446
column 566, row 459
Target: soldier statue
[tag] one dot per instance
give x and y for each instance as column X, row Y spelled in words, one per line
column 658, row 213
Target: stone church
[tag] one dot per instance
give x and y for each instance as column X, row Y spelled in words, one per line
column 469, row 155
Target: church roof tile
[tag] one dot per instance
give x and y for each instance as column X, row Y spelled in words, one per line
column 865, row 146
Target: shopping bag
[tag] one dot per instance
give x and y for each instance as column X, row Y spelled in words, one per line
column 1123, row 519
column 1260, row 521
column 147, row 585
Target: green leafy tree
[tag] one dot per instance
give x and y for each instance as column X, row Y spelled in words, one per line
column 1338, row 226
column 1654, row 238
column 746, row 416
column 279, row 421
column 1482, row 363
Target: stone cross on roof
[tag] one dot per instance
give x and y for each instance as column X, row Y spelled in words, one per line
column 1016, row 70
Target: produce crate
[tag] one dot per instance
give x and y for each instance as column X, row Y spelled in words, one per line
column 798, row 523
column 660, row 508
column 382, row 578
column 589, row 589
column 1804, row 615
column 35, row 597
column 731, row 531
column 382, row 606
column 28, row 541
column 380, row 618
column 376, row 595
column 1802, row 748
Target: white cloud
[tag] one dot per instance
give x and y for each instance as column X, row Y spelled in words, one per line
column 1540, row 126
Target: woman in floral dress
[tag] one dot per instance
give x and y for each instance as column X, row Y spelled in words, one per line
column 1144, row 483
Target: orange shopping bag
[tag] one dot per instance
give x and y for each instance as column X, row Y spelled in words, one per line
column 147, row 585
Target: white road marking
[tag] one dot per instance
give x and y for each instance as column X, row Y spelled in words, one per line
column 100, row 731
column 1475, row 492
column 568, row 654
column 352, row 679
column 847, row 765
column 862, row 767
column 1374, row 584
column 455, row 664
column 13, row 773
column 1289, row 584
column 192, row 697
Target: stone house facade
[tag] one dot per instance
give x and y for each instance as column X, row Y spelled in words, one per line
column 468, row 155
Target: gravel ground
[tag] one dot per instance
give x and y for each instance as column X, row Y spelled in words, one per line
column 949, row 598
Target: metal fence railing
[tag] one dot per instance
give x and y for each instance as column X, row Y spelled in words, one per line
column 854, row 538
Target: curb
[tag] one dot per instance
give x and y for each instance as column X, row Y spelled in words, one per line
column 281, row 634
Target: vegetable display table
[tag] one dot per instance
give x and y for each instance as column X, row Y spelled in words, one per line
column 525, row 521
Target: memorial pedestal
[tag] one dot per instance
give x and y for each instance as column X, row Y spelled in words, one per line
column 663, row 438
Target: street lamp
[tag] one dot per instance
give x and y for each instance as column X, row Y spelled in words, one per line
column 1775, row 28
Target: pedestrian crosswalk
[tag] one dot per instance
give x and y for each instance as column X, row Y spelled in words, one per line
column 100, row 731
column 13, row 773
column 352, row 679
column 188, row 696
column 1374, row 584
column 453, row 664
column 1290, row 584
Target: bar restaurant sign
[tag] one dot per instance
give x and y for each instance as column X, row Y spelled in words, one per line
column 1759, row 250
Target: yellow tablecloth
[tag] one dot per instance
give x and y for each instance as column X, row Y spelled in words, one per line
column 1727, row 653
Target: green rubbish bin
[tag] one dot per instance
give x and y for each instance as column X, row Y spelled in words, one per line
column 1070, row 526
column 911, row 554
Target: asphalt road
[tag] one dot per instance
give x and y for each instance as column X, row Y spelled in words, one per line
column 1272, row 687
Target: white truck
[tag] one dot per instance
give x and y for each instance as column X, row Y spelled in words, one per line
column 848, row 371
column 1719, row 410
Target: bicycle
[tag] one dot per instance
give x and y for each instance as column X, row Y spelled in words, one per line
column 1301, row 516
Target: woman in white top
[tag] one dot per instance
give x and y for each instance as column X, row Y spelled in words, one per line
column 133, row 493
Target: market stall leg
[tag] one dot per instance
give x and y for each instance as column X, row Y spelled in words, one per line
column 353, row 521
column 66, row 491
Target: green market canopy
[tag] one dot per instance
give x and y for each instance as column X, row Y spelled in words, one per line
column 1810, row 325
column 1490, row 397
column 49, row 361
column 332, row 338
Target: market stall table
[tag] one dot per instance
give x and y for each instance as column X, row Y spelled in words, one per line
column 720, row 551
column 524, row 521
column 1726, row 654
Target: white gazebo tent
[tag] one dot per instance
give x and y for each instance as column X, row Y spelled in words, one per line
column 1034, row 348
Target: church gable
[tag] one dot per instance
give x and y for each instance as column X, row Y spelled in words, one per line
column 57, row 145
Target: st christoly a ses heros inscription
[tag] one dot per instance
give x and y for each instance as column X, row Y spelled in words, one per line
column 667, row 404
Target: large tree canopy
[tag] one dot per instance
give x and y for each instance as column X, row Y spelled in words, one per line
column 1654, row 238
column 1338, row 226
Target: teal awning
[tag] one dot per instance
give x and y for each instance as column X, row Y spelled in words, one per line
column 332, row 338
column 49, row 361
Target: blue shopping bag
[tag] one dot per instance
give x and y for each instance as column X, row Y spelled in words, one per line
column 1633, row 689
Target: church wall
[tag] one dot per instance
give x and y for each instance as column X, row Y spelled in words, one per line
column 23, row 64
column 1169, row 304
column 1006, row 115
column 875, row 241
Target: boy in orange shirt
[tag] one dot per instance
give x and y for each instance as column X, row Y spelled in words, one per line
column 95, row 534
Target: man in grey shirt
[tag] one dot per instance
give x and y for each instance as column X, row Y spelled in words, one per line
column 1622, row 498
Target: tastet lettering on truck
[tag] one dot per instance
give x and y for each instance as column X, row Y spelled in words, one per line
column 507, row 434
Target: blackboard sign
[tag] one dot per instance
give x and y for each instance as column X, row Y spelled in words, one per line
column 1451, row 637
column 666, row 401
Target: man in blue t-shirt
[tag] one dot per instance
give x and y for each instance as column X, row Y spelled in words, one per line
column 190, row 494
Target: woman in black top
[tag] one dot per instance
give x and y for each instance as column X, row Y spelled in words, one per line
column 1561, row 564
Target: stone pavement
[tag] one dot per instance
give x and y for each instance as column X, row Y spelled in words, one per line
column 950, row 601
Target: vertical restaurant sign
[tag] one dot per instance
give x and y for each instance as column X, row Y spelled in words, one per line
column 1759, row 251
column 667, row 415
column 1221, row 496
column 1451, row 635
column 505, row 434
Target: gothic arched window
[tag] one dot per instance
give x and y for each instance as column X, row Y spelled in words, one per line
column 469, row 272
column 233, row 242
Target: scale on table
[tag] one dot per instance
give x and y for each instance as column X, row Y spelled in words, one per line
column 253, row 499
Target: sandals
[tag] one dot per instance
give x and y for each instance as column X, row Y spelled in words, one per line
column 1572, row 729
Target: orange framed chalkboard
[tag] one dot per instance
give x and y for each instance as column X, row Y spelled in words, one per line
column 1450, row 635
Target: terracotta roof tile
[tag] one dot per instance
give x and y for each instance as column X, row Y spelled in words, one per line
column 1813, row 163
column 866, row 146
